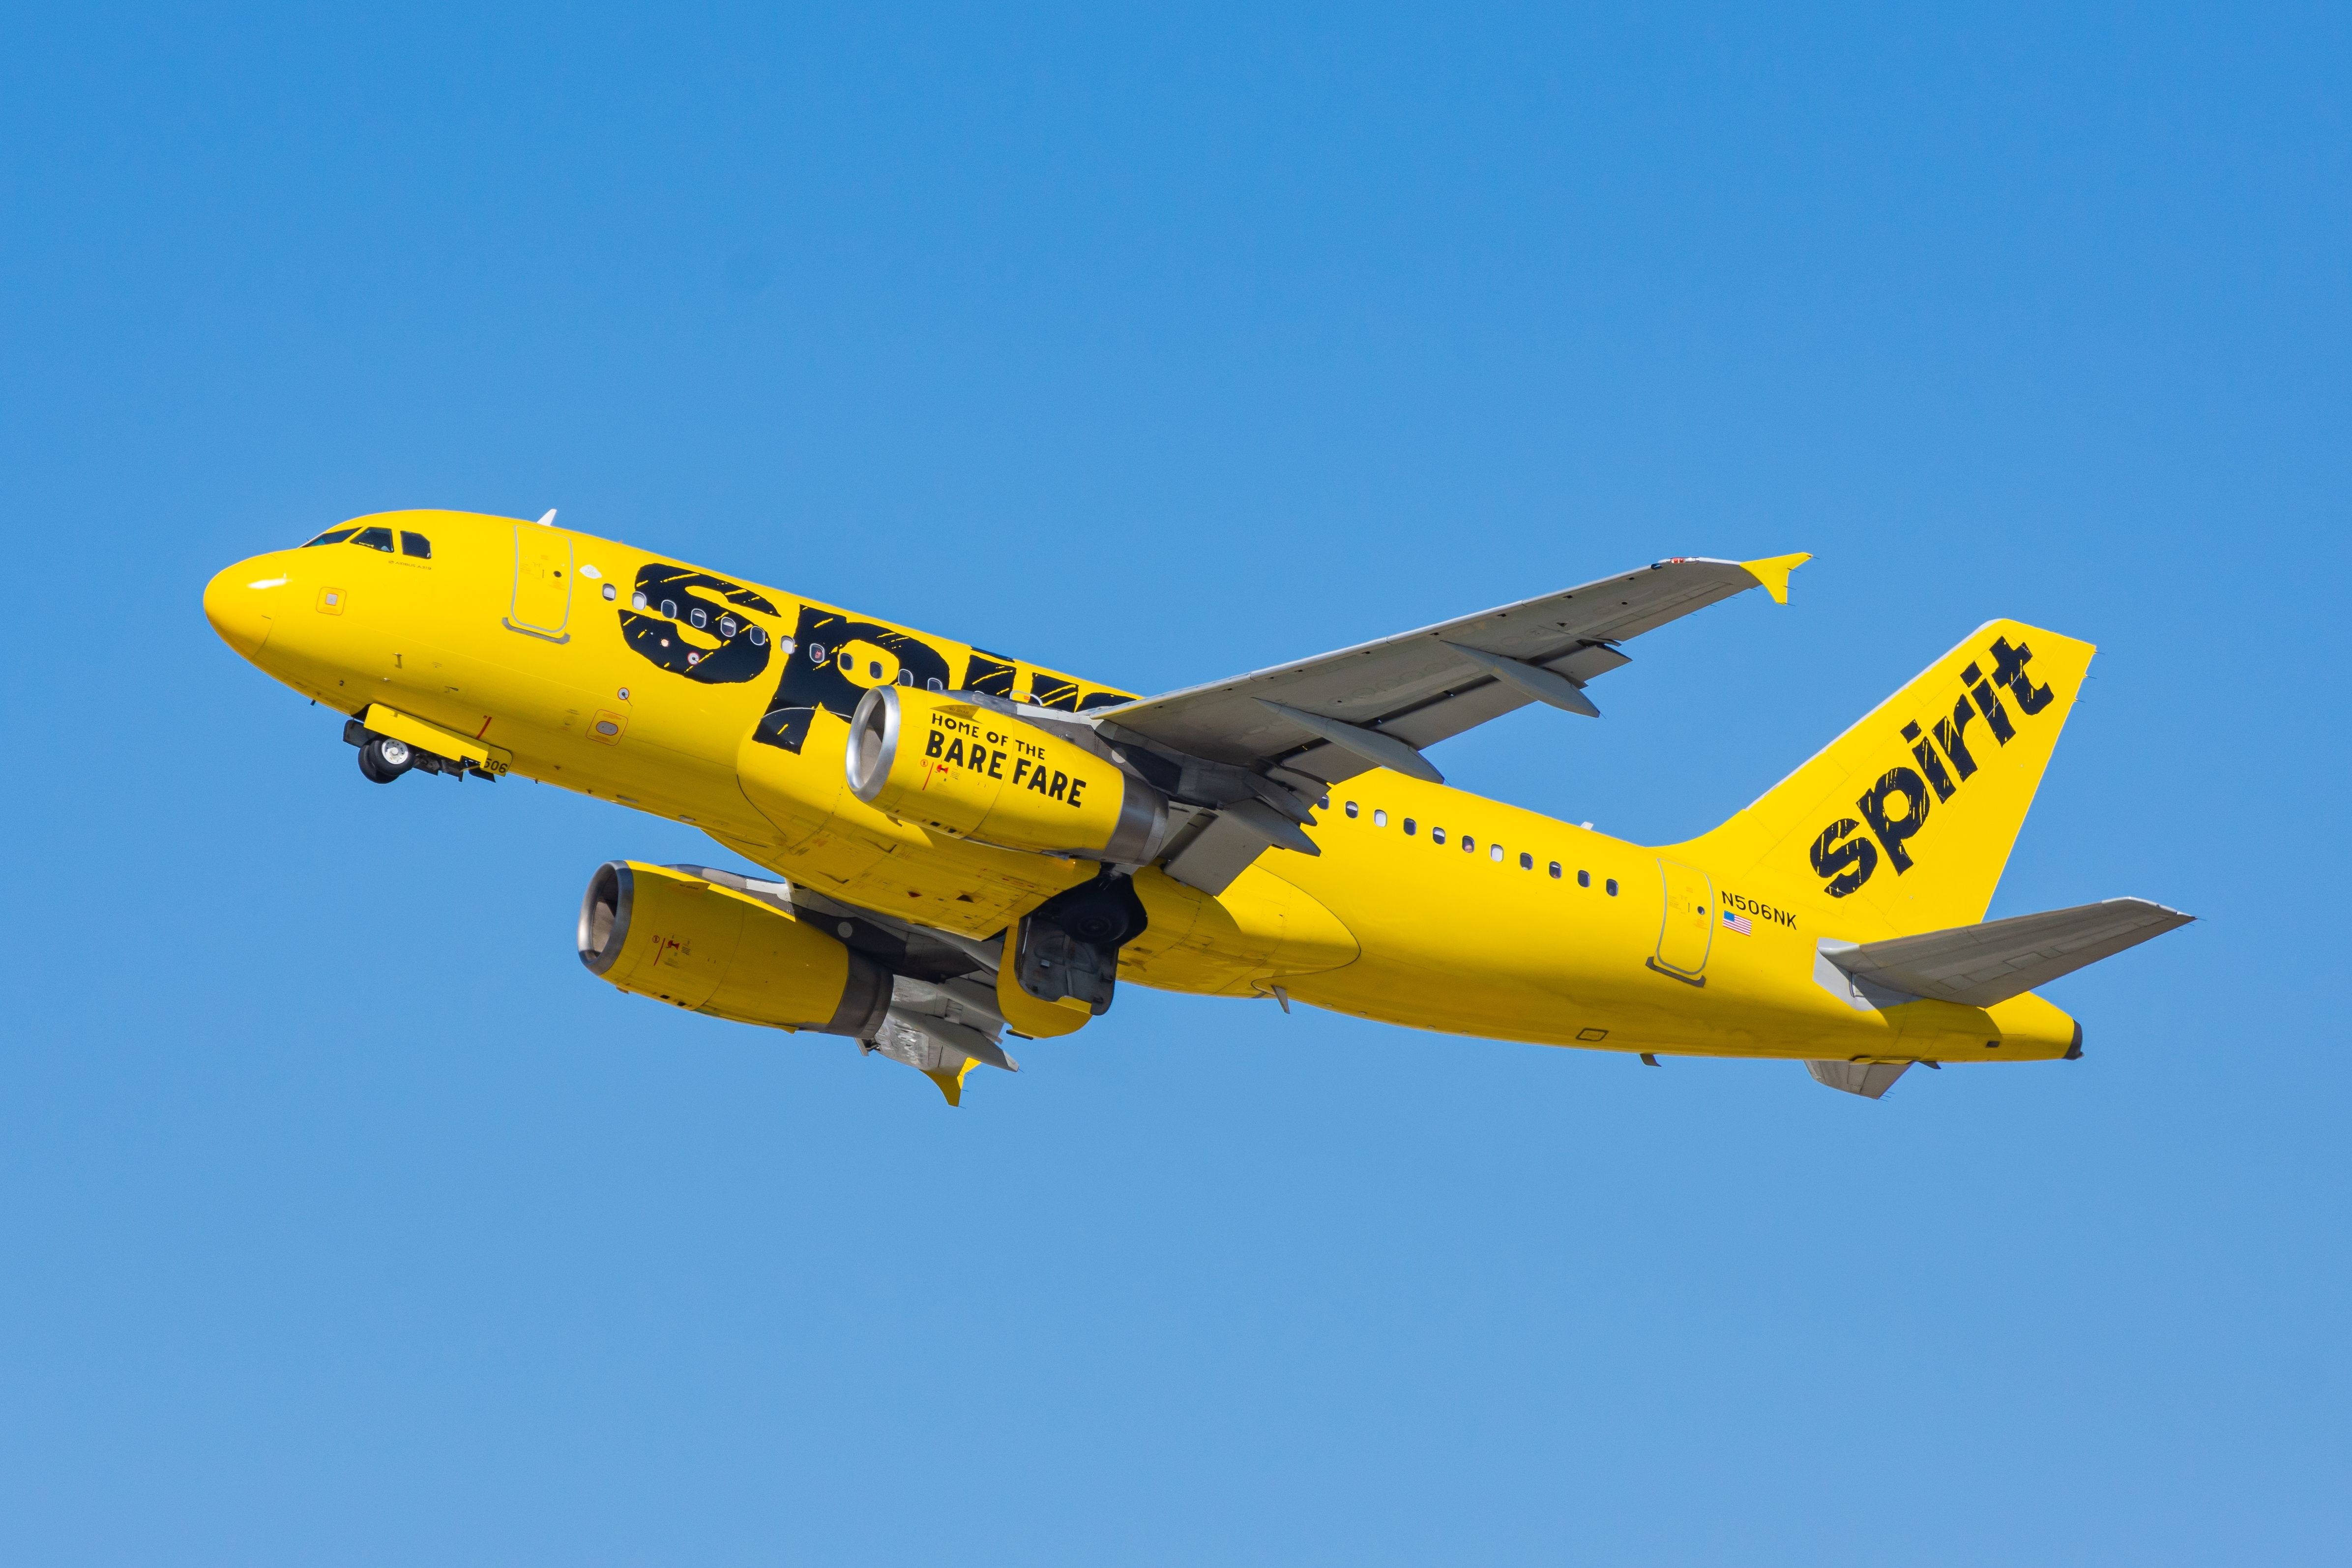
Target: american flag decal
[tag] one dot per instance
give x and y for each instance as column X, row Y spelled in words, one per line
column 1738, row 923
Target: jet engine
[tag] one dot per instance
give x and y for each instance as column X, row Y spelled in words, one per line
column 975, row 772
column 693, row 943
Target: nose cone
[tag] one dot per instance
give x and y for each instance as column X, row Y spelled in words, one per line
column 239, row 600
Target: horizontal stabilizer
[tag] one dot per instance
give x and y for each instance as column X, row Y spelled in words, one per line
column 1979, row 965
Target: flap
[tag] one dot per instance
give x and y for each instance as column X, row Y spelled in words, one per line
column 1421, row 687
column 1979, row 965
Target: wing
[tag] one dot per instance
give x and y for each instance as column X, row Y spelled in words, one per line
column 1377, row 704
column 1242, row 761
column 1979, row 965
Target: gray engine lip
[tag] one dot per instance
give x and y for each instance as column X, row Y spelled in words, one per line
column 885, row 698
column 599, row 959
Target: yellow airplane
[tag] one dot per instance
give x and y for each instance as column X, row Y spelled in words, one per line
column 957, row 844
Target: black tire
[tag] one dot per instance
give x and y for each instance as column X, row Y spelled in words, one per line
column 1104, row 913
column 383, row 760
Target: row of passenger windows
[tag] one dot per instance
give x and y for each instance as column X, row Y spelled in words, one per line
column 1469, row 843
column 699, row 619
column 818, row 654
column 411, row 544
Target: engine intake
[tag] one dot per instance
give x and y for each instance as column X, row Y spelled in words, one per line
column 693, row 943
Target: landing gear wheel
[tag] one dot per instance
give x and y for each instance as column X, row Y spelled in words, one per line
column 385, row 759
column 1103, row 914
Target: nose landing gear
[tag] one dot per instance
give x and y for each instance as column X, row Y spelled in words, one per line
column 384, row 759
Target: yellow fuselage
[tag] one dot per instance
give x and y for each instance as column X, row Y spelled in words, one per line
column 1482, row 918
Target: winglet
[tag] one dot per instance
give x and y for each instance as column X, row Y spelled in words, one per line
column 1773, row 573
column 950, row 1081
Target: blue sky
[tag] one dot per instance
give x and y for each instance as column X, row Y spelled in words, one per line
column 343, row 1219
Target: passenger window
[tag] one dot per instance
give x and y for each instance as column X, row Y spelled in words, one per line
column 1379, row 819
column 906, row 678
column 1555, row 870
column 1611, row 886
column 1352, row 809
column 609, row 592
column 333, row 536
column 873, row 668
column 726, row 625
column 935, row 684
column 1437, row 835
column 376, row 539
column 636, row 601
column 669, row 608
column 1495, row 853
column 816, row 654
column 758, row 638
column 1528, row 863
column 417, row 545
column 697, row 618
column 1469, row 845
column 1408, row 827
column 1324, row 804
column 1584, row 878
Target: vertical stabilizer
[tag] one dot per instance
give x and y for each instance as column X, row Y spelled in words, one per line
column 1903, row 822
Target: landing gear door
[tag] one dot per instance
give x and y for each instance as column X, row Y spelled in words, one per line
column 542, row 606
column 1688, row 930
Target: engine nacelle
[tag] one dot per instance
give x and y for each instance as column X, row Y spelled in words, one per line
column 693, row 943
column 978, row 773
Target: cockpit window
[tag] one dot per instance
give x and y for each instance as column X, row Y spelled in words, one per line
column 417, row 544
column 333, row 536
column 376, row 539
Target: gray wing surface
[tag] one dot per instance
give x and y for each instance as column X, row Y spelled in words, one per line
column 1418, row 687
column 1979, row 965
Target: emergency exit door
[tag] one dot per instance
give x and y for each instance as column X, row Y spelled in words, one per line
column 1688, row 930
column 542, row 583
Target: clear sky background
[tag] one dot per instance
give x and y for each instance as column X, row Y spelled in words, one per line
column 344, row 1219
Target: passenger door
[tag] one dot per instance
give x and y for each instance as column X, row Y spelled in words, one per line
column 1688, row 930
column 542, row 583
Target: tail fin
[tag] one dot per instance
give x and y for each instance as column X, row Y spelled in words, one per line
column 1903, row 822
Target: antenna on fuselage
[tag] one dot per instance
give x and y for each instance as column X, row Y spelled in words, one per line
column 548, row 519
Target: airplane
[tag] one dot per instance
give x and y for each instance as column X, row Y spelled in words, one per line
column 955, row 846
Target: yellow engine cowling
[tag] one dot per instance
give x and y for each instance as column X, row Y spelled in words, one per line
column 692, row 943
column 978, row 773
